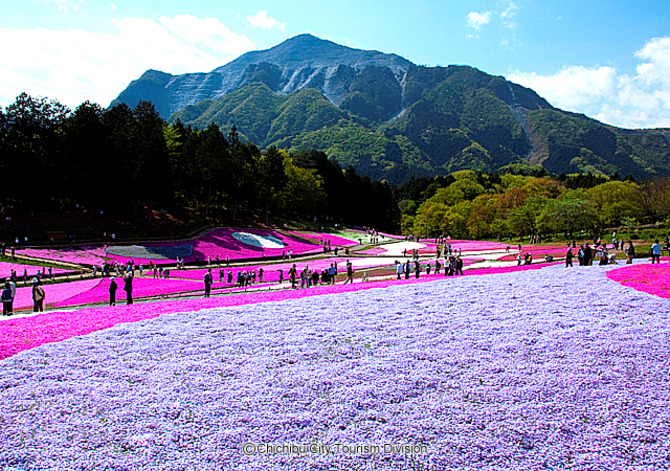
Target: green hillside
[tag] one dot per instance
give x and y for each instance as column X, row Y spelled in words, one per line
column 439, row 121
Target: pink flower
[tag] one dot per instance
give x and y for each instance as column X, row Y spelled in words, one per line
column 652, row 279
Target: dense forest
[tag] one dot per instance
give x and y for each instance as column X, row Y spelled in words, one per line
column 528, row 201
column 131, row 162
column 121, row 159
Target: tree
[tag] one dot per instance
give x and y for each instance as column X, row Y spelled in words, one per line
column 522, row 220
column 210, row 160
column 87, row 154
column 429, row 219
column 32, row 139
column 614, row 200
column 448, row 196
column 271, row 175
column 569, row 216
column 483, row 215
column 240, row 170
column 654, row 199
column 455, row 220
column 303, row 192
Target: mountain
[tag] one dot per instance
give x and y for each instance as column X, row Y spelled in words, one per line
column 392, row 119
column 300, row 62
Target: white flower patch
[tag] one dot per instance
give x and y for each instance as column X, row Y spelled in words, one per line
column 257, row 240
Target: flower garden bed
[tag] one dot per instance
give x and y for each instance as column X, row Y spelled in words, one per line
column 518, row 371
column 7, row 267
column 236, row 244
column 556, row 252
column 18, row 334
column 652, row 279
column 84, row 255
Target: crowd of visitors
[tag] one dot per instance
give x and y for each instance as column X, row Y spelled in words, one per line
column 448, row 260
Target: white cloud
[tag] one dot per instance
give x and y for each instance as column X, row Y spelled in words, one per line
column 209, row 32
column 263, row 21
column 508, row 15
column 640, row 100
column 571, row 87
column 63, row 5
column 75, row 66
column 477, row 20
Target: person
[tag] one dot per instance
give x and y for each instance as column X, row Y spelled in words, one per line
column 208, row 282
column 7, row 300
column 38, row 296
column 588, row 255
column 332, row 271
column 655, row 252
column 291, row 275
column 568, row 258
column 604, row 259
column 406, row 270
column 112, row 292
column 350, row 273
column 128, row 287
column 459, row 265
column 398, row 269
column 417, row 268
column 281, row 276
column 304, row 277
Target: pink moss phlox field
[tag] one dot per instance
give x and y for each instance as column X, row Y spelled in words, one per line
column 6, row 269
column 85, row 255
column 652, row 279
column 271, row 272
column 538, row 251
column 218, row 242
column 25, row 333
column 372, row 251
column 475, row 245
column 556, row 369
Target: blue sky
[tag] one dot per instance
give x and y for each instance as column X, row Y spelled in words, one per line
column 607, row 59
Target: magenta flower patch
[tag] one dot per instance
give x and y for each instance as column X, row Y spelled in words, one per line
column 85, row 255
column 234, row 244
column 31, row 270
column 652, row 279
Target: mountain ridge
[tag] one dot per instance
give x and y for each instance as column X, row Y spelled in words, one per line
column 392, row 119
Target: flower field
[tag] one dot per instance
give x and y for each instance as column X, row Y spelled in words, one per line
column 653, row 279
column 235, row 244
column 522, row 370
column 539, row 251
column 84, row 255
column 31, row 270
